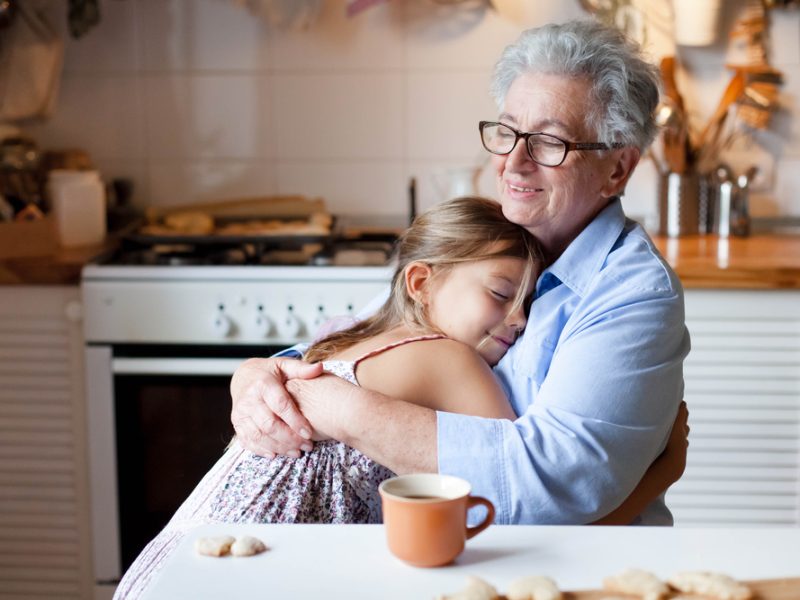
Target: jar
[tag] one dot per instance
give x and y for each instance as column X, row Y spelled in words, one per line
column 79, row 206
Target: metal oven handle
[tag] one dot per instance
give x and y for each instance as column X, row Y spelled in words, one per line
column 175, row 366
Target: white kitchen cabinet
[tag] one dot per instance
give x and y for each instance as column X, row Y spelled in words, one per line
column 44, row 507
column 743, row 392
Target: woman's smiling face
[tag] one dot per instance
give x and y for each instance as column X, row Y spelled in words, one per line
column 554, row 203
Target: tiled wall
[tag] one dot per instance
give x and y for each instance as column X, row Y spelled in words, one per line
column 198, row 100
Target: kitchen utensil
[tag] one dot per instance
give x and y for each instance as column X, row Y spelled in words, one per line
column 672, row 113
column 759, row 96
column 740, row 209
column 412, row 200
column 708, row 144
column 679, row 204
column 724, row 199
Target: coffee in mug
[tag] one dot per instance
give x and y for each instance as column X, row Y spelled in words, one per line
column 425, row 517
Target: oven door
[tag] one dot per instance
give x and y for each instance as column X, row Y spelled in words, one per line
column 159, row 418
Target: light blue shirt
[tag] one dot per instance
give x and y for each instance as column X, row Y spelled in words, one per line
column 596, row 380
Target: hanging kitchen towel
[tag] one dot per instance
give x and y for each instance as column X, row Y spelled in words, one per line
column 31, row 56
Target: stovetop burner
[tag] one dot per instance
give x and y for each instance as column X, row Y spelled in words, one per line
column 342, row 252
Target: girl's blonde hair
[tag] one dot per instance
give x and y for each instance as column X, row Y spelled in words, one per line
column 462, row 230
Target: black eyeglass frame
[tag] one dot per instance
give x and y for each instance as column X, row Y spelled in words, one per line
column 568, row 146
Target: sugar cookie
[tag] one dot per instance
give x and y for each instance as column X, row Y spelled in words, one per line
column 213, row 546
column 476, row 589
column 637, row 581
column 246, row 545
column 715, row 585
column 536, row 587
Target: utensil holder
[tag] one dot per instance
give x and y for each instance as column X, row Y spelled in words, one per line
column 679, row 204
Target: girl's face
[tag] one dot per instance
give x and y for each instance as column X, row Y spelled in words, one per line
column 474, row 304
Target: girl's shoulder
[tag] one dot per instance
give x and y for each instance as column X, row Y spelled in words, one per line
column 439, row 373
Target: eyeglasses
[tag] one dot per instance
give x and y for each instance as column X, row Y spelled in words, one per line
column 543, row 148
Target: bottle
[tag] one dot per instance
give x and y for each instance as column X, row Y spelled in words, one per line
column 79, row 206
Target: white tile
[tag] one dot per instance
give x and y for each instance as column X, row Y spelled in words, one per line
column 784, row 36
column 100, row 114
column 373, row 39
column 443, row 114
column 173, row 183
column 111, row 46
column 641, row 194
column 340, row 115
column 348, row 187
column 202, row 35
column 786, row 121
column 194, row 116
column 787, row 184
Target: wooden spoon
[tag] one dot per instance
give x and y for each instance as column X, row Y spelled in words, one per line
column 676, row 134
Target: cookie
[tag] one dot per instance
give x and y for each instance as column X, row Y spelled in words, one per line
column 214, row 546
column 535, row 587
column 246, row 545
column 639, row 582
column 476, row 589
column 714, row 585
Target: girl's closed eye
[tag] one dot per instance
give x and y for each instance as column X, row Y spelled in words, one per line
column 500, row 295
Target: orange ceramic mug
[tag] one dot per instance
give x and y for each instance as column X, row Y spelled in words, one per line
column 425, row 517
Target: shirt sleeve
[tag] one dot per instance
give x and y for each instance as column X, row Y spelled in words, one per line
column 598, row 417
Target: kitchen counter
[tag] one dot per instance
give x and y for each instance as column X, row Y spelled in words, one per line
column 766, row 261
column 60, row 268
column 756, row 262
column 352, row 561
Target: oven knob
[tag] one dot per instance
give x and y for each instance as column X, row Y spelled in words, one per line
column 263, row 324
column 290, row 326
column 222, row 324
column 321, row 318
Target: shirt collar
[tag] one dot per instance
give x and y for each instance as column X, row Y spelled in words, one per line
column 583, row 258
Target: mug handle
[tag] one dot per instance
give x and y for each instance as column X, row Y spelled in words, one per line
column 488, row 520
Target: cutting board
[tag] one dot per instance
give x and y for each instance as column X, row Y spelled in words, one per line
column 763, row 589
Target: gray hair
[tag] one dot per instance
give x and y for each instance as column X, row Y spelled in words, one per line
column 624, row 87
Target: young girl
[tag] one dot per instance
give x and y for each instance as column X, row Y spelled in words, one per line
column 459, row 299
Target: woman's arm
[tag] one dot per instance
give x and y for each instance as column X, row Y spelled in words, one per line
column 665, row 470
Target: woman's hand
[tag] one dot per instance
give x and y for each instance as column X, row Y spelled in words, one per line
column 266, row 419
column 665, row 470
column 674, row 455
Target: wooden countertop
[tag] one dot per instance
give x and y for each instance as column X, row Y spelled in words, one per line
column 756, row 262
column 63, row 267
column 702, row 262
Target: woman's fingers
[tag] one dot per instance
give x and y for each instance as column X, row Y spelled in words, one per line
column 265, row 417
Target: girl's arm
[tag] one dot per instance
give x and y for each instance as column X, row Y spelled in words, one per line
column 665, row 470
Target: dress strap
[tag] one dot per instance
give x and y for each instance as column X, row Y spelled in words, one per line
column 419, row 338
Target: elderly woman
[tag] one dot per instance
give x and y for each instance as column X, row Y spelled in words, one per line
column 596, row 378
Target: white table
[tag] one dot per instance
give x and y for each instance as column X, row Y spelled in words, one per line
column 352, row 561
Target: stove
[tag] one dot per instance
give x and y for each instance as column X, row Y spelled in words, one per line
column 166, row 324
column 236, row 291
